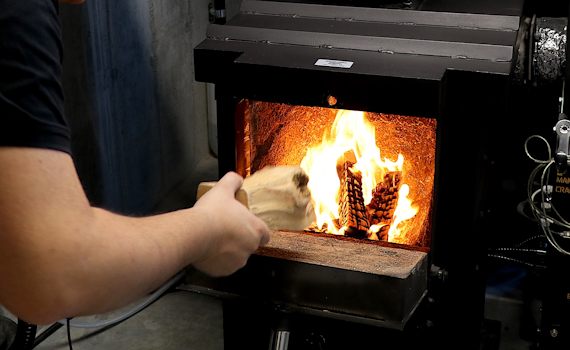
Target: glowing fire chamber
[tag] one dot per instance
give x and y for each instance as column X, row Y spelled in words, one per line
column 351, row 143
column 371, row 175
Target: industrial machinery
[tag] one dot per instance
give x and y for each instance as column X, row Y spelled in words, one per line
column 454, row 88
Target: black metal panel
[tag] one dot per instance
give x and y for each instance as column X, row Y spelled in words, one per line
column 279, row 82
column 409, row 32
column 220, row 59
column 384, row 44
column 555, row 325
column 450, row 19
column 386, row 4
column 353, row 91
column 467, row 96
column 472, row 135
column 491, row 7
column 250, row 64
column 415, row 31
column 307, row 288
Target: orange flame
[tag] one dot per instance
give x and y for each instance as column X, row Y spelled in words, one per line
column 352, row 132
column 404, row 211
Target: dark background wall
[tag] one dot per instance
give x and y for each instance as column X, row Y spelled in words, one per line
column 139, row 120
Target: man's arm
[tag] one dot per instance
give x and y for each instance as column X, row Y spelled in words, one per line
column 60, row 257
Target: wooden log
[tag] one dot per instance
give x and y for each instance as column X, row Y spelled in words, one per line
column 352, row 214
column 384, row 202
column 276, row 194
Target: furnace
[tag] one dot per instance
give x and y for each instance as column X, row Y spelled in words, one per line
column 392, row 156
column 394, row 114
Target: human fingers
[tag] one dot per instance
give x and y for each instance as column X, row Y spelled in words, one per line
column 230, row 182
column 224, row 190
column 258, row 228
column 244, row 233
column 265, row 237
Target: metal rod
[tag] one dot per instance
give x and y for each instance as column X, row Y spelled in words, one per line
column 279, row 340
column 220, row 11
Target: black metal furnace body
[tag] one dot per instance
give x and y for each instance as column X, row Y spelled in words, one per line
column 429, row 63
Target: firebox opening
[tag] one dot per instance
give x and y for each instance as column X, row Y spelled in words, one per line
column 371, row 175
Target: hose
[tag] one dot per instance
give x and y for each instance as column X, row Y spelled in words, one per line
column 146, row 302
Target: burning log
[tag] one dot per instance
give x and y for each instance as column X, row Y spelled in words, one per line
column 353, row 214
column 384, row 202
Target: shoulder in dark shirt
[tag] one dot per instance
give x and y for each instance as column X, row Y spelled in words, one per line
column 31, row 97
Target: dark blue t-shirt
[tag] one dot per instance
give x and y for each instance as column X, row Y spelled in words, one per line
column 31, row 97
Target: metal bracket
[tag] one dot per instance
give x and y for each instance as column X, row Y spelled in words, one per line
column 562, row 130
column 439, row 273
column 211, row 13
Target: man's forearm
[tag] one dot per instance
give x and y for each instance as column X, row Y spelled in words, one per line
column 60, row 257
column 110, row 262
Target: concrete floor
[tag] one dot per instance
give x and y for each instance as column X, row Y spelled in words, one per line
column 179, row 320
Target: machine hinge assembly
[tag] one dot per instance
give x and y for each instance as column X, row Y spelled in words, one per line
column 439, row 273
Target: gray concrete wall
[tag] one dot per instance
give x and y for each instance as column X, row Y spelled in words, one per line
column 138, row 118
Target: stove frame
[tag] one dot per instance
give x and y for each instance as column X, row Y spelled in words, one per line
column 454, row 67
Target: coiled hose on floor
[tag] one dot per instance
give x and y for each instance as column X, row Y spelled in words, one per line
column 143, row 304
column 26, row 332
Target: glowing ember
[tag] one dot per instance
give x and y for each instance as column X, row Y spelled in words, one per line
column 352, row 138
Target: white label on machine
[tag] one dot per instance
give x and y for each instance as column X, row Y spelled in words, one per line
column 333, row 63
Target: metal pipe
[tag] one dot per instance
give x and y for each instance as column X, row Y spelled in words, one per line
column 220, row 11
column 279, row 340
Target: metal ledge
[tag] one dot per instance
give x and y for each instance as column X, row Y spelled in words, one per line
column 496, row 53
column 443, row 19
column 339, row 279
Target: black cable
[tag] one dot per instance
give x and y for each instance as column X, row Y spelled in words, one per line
column 520, row 250
column 25, row 335
column 69, row 334
column 516, row 261
column 45, row 334
column 528, row 240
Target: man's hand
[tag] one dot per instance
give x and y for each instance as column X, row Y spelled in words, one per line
column 60, row 257
column 235, row 231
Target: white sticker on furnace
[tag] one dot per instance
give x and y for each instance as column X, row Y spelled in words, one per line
column 333, row 63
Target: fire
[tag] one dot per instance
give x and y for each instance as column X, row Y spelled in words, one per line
column 404, row 211
column 354, row 137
